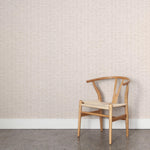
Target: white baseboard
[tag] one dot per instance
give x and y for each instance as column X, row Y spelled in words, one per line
column 70, row 124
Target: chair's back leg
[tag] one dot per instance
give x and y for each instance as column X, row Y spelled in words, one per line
column 79, row 117
column 126, row 111
column 101, row 120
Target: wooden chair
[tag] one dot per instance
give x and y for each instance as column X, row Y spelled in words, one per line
column 106, row 106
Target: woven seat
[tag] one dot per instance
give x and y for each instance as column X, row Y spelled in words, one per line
column 100, row 105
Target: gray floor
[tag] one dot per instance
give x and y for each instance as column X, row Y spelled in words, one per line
column 67, row 140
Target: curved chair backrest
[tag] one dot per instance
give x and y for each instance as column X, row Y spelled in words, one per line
column 115, row 94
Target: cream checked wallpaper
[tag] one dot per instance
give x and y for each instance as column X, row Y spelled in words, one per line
column 49, row 48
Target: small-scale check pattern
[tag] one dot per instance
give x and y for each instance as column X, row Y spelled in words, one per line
column 49, row 48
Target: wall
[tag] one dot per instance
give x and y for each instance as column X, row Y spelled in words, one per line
column 49, row 48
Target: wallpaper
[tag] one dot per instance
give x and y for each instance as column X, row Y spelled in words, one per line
column 49, row 48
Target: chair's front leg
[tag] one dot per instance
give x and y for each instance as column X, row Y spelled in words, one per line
column 127, row 121
column 79, row 117
column 110, row 124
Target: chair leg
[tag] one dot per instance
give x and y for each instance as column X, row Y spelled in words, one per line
column 110, row 124
column 101, row 120
column 127, row 121
column 79, row 118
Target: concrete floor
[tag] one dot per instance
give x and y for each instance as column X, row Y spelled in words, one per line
column 67, row 140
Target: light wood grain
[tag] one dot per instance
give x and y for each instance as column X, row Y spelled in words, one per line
column 98, row 92
column 127, row 121
column 122, row 117
column 126, row 111
column 107, row 106
column 111, row 77
column 79, row 118
column 95, row 114
column 101, row 120
column 115, row 95
column 86, row 113
column 110, row 124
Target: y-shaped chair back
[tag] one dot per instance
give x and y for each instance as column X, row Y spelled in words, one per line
column 116, row 93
